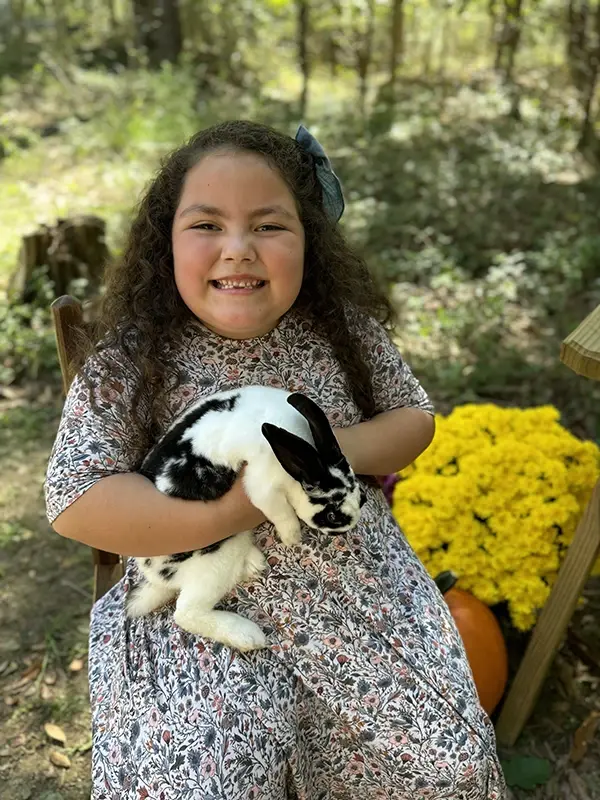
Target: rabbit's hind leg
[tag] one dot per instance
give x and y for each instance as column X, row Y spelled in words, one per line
column 215, row 575
column 146, row 597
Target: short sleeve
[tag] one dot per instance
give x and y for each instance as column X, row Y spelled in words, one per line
column 95, row 440
column 394, row 385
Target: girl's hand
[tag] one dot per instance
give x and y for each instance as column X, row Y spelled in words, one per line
column 249, row 516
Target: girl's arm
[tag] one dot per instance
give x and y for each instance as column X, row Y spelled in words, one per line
column 387, row 443
column 126, row 514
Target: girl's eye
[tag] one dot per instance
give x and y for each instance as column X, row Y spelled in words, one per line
column 205, row 226
column 269, row 227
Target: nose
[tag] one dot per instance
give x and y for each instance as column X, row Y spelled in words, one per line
column 238, row 248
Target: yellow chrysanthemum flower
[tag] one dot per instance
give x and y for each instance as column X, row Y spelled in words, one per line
column 496, row 498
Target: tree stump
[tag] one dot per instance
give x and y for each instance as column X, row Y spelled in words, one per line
column 72, row 254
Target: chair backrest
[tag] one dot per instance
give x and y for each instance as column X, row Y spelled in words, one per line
column 67, row 314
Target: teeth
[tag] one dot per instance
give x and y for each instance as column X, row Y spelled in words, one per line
column 228, row 284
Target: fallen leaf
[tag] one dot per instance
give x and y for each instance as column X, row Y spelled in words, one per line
column 11, row 701
column 566, row 676
column 526, row 772
column 583, row 736
column 12, row 667
column 76, row 665
column 10, row 646
column 50, row 678
column 33, row 670
column 46, row 693
column 55, row 732
column 60, row 759
column 26, row 678
column 19, row 740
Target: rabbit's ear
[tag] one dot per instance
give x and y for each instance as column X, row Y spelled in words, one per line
column 297, row 456
column 324, row 437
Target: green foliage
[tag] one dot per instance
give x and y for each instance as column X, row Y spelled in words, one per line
column 27, row 342
column 483, row 227
column 526, row 772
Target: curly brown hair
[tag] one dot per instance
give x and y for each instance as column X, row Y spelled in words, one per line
column 141, row 307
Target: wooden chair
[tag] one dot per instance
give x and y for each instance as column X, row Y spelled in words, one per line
column 580, row 351
column 67, row 314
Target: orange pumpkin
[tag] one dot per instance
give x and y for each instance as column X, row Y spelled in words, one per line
column 482, row 638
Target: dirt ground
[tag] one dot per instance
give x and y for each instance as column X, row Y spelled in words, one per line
column 45, row 597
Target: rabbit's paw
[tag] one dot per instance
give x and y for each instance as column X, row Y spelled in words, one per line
column 254, row 565
column 245, row 636
column 290, row 533
column 230, row 629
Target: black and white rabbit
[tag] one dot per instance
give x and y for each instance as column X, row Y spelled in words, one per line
column 295, row 471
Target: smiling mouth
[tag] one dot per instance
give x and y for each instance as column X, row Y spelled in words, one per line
column 240, row 284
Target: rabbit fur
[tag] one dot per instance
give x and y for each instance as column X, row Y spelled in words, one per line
column 295, row 471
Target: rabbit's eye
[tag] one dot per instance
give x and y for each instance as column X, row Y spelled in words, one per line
column 331, row 516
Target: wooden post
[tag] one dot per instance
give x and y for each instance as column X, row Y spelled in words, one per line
column 581, row 352
column 552, row 624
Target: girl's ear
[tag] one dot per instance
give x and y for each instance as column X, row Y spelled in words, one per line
column 298, row 458
column 325, row 441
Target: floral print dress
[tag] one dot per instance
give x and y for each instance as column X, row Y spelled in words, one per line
column 364, row 690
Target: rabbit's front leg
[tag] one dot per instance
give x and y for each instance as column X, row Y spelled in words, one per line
column 274, row 505
column 278, row 511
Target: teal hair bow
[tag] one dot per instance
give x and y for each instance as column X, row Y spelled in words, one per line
column 333, row 197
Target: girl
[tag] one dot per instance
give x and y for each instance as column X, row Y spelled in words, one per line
column 236, row 273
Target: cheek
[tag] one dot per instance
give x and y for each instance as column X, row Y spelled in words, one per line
column 193, row 256
column 289, row 262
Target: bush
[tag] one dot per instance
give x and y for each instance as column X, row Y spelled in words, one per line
column 27, row 340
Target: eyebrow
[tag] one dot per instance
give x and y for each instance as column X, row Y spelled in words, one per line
column 212, row 211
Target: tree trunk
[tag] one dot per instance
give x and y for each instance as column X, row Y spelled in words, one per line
column 397, row 39
column 444, row 45
column 16, row 22
column 334, row 46
column 509, row 38
column 158, row 30
column 364, row 54
column 583, row 55
column 493, row 14
column 114, row 22
column 72, row 254
column 303, row 12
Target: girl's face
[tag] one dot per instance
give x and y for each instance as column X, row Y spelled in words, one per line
column 238, row 245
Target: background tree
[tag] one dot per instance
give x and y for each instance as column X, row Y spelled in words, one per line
column 583, row 55
column 303, row 12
